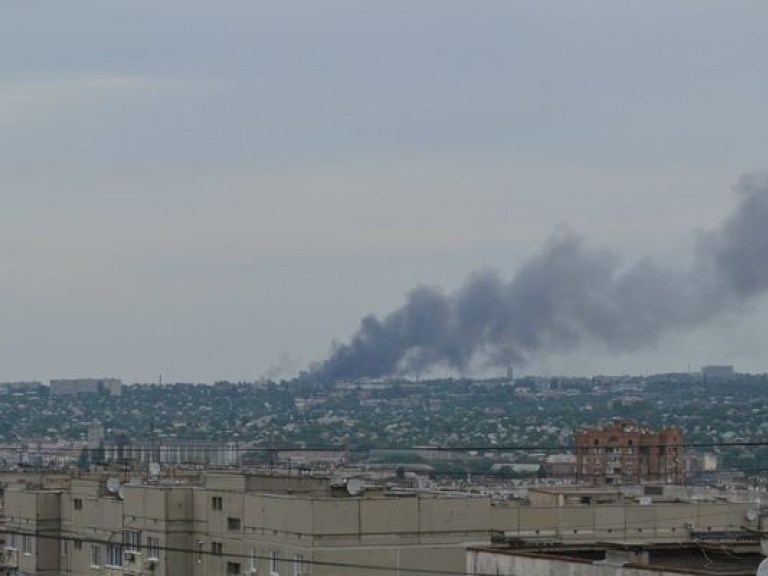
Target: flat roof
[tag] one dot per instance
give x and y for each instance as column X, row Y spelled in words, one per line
column 731, row 559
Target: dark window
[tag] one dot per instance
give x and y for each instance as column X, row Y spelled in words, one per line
column 233, row 523
column 217, row 503
column 114, row 555
column 77, row 503
column 153, row 547
column 131, row 540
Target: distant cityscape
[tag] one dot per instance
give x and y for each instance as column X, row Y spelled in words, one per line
column 518, row 427
column 504, row 476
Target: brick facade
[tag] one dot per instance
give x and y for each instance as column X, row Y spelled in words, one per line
column 625, row 452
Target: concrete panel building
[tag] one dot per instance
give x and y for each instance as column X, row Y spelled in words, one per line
column 232, row 524
column 718, row 374
column 111, row 386
column 215, row 524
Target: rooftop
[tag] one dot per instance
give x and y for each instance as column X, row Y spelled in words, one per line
column 723, row 558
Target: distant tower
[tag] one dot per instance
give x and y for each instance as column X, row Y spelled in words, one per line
column 510, row 372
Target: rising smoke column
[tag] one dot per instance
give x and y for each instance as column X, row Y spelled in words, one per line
column 566, row 294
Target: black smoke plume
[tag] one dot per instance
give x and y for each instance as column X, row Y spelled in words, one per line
column 567, row 294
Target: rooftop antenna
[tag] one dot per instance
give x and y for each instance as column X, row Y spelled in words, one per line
column 355, row 486
column 113, row 485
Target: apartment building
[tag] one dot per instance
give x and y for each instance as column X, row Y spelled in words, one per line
column 110, row 386
column 231, row 524
column 625, row 452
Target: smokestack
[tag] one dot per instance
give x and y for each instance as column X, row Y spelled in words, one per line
column 567, row 294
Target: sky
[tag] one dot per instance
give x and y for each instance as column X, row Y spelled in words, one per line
column 209, row 191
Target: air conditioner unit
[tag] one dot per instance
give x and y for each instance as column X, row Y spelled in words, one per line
column 9, row 554
column 130, row 555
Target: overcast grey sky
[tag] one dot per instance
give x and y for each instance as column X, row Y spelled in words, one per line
column 220, row 190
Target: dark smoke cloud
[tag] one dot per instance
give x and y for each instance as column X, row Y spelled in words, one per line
column 565, row 295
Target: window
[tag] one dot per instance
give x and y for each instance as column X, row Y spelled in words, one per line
column 217, row 503
column 233, row 569
column 78, row 544
column 26, row 545
column 217, row 548
column 114, row 555
column 12, row 541
column 131, row 540
column 95, row 555
column 254, row 561
column 77, row 503
column 200, row 548
column 64, row 547
column 274, row 561
column 233, row 523
column 153, row 547
column 300, row 566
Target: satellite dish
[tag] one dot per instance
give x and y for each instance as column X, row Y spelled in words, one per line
column 113, row 485
column 154, row 469
column 752, row 514
column 121, row 492
column 762, row 570
column 355, row 486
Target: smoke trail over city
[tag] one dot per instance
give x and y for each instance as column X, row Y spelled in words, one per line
column 566, row 295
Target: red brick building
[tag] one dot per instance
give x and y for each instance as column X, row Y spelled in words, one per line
column 625, row 452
